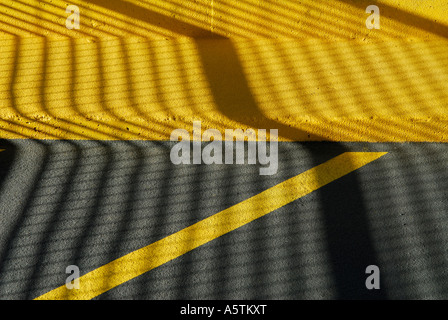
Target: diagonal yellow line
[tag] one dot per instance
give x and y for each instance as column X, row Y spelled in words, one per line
column 156, row 254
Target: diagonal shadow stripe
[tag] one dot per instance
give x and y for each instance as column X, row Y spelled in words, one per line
column 157, row 19
column 148, row 16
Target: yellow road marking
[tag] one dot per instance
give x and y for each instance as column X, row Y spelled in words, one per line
column 158, row 253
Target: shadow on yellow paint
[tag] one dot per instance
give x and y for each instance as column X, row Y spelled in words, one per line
column 103, row 86
column 155, row 19
column 129, row 89
column 283, row 65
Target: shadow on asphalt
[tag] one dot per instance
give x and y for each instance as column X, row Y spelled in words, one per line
column 347, row 230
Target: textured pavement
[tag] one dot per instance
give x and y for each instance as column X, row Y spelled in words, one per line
column 86, row 203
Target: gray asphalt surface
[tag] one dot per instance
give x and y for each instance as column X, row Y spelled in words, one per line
column 86, row 203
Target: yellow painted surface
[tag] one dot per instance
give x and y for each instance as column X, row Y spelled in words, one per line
column 158, row 253
column 138, row 69
column 141, row 89
column 160, row 19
